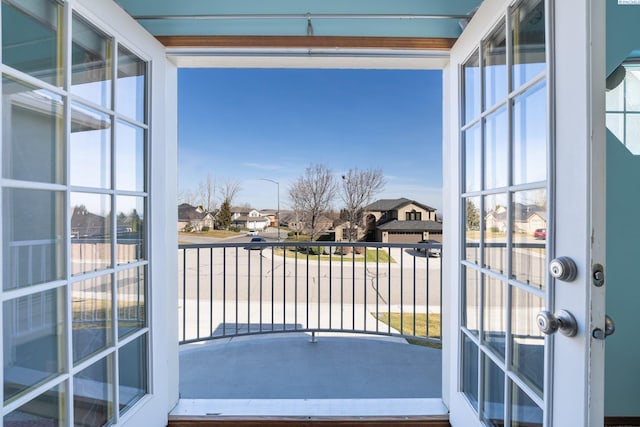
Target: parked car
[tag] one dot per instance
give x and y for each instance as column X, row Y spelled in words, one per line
column 432, row 252
column 540, row 233
column 255, row 240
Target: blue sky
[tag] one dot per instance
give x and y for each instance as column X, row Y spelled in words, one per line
column 247, row 124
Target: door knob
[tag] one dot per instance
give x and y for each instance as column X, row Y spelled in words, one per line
column 562, row 321
column 609, row 329
column 563, row 268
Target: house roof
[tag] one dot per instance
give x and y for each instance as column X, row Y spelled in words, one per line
column 384, row 205
column 187, row 212
column 416, row 226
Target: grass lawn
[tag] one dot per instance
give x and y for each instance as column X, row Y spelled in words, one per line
column 382, row 256
column 421, row 326
column 212, row 233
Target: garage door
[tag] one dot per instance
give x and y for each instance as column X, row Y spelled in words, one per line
column 400, row 237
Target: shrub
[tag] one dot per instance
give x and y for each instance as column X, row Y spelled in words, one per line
column 359, row 250
column 343, row 250
column 205, row 228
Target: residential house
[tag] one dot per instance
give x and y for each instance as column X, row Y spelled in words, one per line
column 192, row 218
column 401, row 221
column 272, row 215
column 526, row 218
column 344, row 232
column 249, row 219
column 547, row 74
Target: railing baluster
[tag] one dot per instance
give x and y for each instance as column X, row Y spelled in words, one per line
column 210, row 291
column 295, row 284
column 198, row 293
column 249, row 289
column 236, row 293
column 365, row 290
column 414, row 295
column 401, row 293
column 224, row 292
column 184, row 294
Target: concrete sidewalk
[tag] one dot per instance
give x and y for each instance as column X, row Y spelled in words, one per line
column 289, row 366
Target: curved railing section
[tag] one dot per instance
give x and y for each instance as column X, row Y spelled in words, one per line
column 238, row 289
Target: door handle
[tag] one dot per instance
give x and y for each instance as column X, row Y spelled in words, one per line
column 562, row 321
column 609, row 329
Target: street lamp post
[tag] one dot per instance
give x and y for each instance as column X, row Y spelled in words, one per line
column 278, row 211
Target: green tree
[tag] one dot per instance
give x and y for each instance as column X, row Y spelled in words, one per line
column 473, row 216
column 224, row 215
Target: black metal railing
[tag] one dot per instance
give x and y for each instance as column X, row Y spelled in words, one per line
column 234, row 289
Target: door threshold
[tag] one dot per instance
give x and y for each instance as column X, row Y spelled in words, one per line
column 310, row 408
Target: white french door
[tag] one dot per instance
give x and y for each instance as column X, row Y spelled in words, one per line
column 526, row 131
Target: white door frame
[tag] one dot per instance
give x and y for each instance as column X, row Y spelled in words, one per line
column 577, row 132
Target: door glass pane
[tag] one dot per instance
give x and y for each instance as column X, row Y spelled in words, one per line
column 527, row 23
column 524, row 411
column 32, row 340
column 90, row 149
column 91, row 63
column 131, row 301
column 32, row 142
column 632, row 137
column 615, row 98
column 90, row 232
column 472, row 88
column 496, row 150
column 132, row 372
column 471, row 315
column 495, row 67
column 30, row 38
column 93, row 394
column 527, row 340
column 615, row 124
column 473, row 159
column 530, row 136
column 33, row 244
column 472, row 229
column 46, row 410
column 493, row 386
column 130, row 238
column 131, row 85
column 470, row 370
column 495, row 233
column 494, row 314
column 529, row 228
column 632, row 92
column 91, row 310
column 129, row 157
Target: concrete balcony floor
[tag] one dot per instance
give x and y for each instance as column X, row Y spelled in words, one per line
column 287, row 375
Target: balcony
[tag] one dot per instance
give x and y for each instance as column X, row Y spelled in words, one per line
column 314, row 330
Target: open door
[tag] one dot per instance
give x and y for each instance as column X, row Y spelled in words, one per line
column 525, row 191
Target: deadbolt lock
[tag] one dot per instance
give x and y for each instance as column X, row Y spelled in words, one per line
column 562, row 321
column 563, row 268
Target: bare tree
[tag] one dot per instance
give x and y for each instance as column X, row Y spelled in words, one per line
column 357, row 190
column 311, row 196
column 230, row 190
column 207, row 193
column 187, row 196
